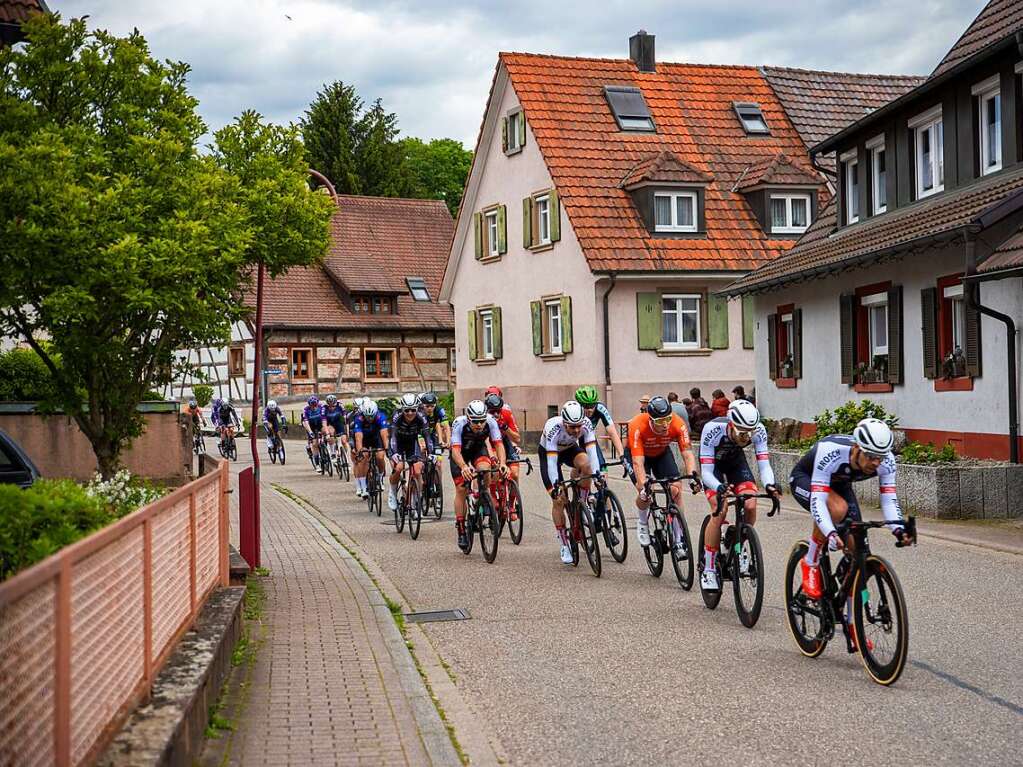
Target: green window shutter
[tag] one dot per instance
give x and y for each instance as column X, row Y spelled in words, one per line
column 797, row 343
column 498, row 343
column 929, row 330
column 477, row 225
column 717, row 320
column 648, row 320
column 555, row 209
column 772, row 346
column 748, row 320
column 847, row 335
column 522, row 129
column 471, row 331
column 502, row 229
column 527, row 222
column 536, row 315
column 566, row 324
column 504, row 135
column 972, row 340
column 895, row 344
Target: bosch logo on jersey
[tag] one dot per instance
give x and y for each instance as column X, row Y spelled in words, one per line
column 823, row 462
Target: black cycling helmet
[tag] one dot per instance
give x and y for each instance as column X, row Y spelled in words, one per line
column 428, row 398
column 494, row 403
column 658, row 407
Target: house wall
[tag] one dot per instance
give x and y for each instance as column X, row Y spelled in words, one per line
column 209, row 366
column 972, row 420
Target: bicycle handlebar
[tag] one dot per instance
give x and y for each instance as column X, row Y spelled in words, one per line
column 694, row 482
column 908, row 526
column 743, row 497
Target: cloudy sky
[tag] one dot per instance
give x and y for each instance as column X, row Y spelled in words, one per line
column 431, row 61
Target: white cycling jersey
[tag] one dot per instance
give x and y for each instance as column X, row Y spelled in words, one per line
column 716, row 445
column 462, row 436
column 555, row 438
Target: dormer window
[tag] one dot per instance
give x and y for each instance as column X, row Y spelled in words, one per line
column 629, row 108
column 752, row 119
column 417, row 287
column 790, row 213
column 370, row 304
column 989, row 113
column 929, row 152
column 675, row 212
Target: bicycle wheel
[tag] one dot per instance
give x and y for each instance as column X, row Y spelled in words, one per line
column 748, row 578
column 378, row 490
column 590, row 540
column 653, row 553
column 399, row 507
column 325, row 460
column 415, row 511
column 371, row 492
column 683, row 566
column 513, row 507
column 880, row 620
column 710, row 598
column 280, row 450
column 490, row 528
column 273, row 454
column 470, row 525
column 437, row 493
column 803, row 614
column 313, row 457
column 343, row 468
column 616, row 530
column 233, row 447
column 573, row 525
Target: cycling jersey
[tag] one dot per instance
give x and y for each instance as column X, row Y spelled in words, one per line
column 335, row 418
column 463, row 436
column 826, row 467
column 272, row 417
column 405, row 434
column 374, row 425
column 644, row 441
column 439, row 416
column 226, row 415
column 556, row 443
column 195, row 415
column 601, row 415
column 721, row 457
column 314, row 415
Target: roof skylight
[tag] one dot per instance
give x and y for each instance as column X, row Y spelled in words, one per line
column 752, row 118
column 629, row 108
column 417, row 287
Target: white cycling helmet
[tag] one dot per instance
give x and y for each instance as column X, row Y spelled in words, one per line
column 331, row 400
column 743, row 415
column 272, row 404
column 572, row 413
column 476, row 411
column 874, row 436
column 368, row 407
column 409, row 401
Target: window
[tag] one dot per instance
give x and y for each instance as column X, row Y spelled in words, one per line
column 851, row 188
column 484, row 334
column 487, row 334
column 958, row 303
column 452, row 357
column 379, row 363
column 989, row 109
column 680, row 321
column 878, row 176
column 877, row 323
column 301, row 364
column 553, row 311
column 417, row 287
column 541, row 225
column 928, row 140
column 362, row 304
column 513, row 131
column 950, row 336
column 236, row 361
column 629, row 108
column 551, row 320
column 752, row 118
column 784, row 343
column 675, row 212
column 491, row 226
column 543, row 219
column 790, row 213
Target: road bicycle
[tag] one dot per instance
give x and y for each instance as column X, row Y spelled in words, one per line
column 581, row 528
column 326, row 460
column 740, row 558
column 228, row 448
column 276, row 448
column 433, row 487
column 198, row 440
column 880, row 620
column 374, row 480
column 341, row 460
column 508, row 500
column 410, row 500
column 665, row 517
column 610, row 517
column 480, row 516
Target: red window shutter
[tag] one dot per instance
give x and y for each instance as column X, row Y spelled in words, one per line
column 772, row 345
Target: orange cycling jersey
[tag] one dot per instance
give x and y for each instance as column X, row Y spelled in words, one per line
column 644, row 441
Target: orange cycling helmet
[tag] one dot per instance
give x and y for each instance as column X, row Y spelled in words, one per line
column 494, row 390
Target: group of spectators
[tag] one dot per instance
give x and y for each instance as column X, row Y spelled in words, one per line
column 695, row 410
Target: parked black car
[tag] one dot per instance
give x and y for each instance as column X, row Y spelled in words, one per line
column 16, row 468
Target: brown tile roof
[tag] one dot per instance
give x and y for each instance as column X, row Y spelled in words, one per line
column 1008, row 255
column 996, row 21
column 822, row 250
column 663, row 167
column 692, row 106
column 17, row 11
column 780, row 170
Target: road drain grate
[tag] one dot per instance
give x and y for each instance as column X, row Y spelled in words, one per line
column 434, row 616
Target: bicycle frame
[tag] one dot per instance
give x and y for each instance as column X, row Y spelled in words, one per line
column 656, row 510
column 738, row 502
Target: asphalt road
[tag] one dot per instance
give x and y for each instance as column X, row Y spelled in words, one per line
column 566, row 668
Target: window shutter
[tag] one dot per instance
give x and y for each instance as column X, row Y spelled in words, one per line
column 895, row 357
column 477, row 225
column 772, row 345
column 498, row 343
column 502, row 229
column 522, row 129
column 527, row 222
column 747, row 322
column 555, row 215
column 973, row 339
column 471, row 331
column 566, row 324
column 797, row 343
column 929, row 330
column 536, row 316
column 717, row 321
column 648, row 320
column 847, row 333
column 504, row 135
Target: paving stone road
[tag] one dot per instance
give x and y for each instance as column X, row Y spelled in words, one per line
column 565, row 668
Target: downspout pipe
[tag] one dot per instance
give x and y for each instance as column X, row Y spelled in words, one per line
column 607, row 331
column 972, row 295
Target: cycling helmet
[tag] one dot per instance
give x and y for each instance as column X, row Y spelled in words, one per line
column 357, row 402
column 192, row 404
column 494, row 390
column 428, row 398
column 368, row 407
column 873, row 436
column 272, row 404
column 572, row 413
column 226, row 402
column 658, row 407
column 476, row 411
column 331, row 400
column 743, row 415
column 409, row 401
column 586, row 396
column 494, row 403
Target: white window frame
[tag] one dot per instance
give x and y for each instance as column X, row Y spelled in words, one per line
column 849, row 161
column 955, row 292
column 789, row 228
column 874, row 147
column 543, row 218
column 490, row 218
column 486, row 334
column 789, row 329
column 985, row 92
column 554, row 323
column 929, row 121
column 678, row 312
column 513, row 132
column 876, row 302
column 675, row 226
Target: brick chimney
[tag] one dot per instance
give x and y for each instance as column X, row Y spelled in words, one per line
column 641, row 51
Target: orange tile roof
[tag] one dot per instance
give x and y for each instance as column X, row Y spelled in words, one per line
column 692, row 106
column 779, row 169
column 663, row 167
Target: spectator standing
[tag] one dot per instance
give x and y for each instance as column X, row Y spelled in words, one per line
column 740, row 393
column 643, row 402
column 719, row 407
column 699, row 414
column 679, row 409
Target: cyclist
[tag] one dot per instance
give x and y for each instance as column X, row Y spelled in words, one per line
column 226, row 419
column 510, row 435
column 821, row 482
column 724, row 469
column 273, row 421
column 370, row 432
column 650, row 433
column 437, row 419
column 567, row 440
column 598, row 413
column 335, row 422
column 215, row 413
column 408, row 426
column 194, row 412
column 473, row 437
column 312, row 420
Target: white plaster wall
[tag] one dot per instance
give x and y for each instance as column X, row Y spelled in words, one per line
column 983, row 410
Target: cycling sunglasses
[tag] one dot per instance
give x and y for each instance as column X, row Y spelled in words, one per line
column 410, row 410
column 662, row 421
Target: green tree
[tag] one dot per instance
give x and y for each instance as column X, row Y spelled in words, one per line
column 435, row 170
column 331, row 134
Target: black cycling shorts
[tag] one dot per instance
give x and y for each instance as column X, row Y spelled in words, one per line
column 339, row 426
column 799, row 486
column 371, row 441
column 315, row 425
column 511, row 450
column 470, row 455
column 734, row 471
column 408, row 449
column 660, row 466
column 566, row 457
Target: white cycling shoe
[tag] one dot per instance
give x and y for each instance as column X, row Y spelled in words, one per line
column 392, row 499
column 709, row 580
column 566, row 554
column 643, row 533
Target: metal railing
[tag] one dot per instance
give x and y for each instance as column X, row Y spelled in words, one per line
column 84, row 632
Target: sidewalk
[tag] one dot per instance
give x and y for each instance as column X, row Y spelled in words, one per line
column 332, row 681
